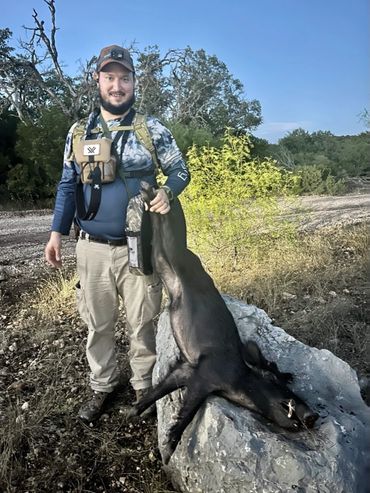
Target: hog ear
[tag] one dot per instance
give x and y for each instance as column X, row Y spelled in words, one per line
column 147, row 192
column 310, row 420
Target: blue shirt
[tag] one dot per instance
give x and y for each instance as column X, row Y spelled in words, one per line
column 109, row 222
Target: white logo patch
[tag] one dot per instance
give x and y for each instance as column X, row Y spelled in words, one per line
column 91, row 149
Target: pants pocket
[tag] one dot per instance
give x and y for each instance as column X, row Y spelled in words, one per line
column 81, row 303
column 154, row 295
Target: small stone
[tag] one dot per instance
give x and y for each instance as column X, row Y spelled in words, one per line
column 288, row 296
column 333, row 294
column 25, row 406
column 346, row 291
column 18, row 386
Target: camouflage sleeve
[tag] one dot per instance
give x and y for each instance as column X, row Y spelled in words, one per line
column 170, row 158
column 64, row 209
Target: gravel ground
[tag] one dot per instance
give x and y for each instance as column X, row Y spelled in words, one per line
column 23, row 235
column 43, row 371
column 343, row 210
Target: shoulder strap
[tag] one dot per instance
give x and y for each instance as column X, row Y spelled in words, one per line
column 142, row 131
column 78, row 132
column 140, row 127
column 115, row 128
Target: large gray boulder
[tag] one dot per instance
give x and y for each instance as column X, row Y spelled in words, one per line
column 228, row 449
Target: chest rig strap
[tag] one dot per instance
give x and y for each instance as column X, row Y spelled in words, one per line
column 95, row 175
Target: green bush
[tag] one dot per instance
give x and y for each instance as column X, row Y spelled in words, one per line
column 232, row 202
column 188, row 135
column 313, row 179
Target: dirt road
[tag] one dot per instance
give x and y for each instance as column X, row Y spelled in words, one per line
column 43, row 369
column 342, row 210
column 23, row 235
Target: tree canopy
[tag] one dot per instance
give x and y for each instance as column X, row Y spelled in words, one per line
column 193, row 92
column 181, row 86
column 342, row 155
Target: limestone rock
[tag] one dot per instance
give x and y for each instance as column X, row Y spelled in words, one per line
column 229, row 449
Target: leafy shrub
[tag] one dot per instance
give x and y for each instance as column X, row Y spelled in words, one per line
column 232, row 202
column 317, row 180
column 188, row 135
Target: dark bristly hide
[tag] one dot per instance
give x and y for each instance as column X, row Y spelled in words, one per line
column 213, row 358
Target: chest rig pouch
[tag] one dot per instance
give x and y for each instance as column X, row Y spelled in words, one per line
column 98, row 161
column 139, row 234
column 90, row 154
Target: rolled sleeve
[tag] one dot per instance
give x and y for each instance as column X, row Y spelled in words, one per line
column 65, row 207
column 169, row 155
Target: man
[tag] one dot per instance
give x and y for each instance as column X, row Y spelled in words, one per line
column 102, row 259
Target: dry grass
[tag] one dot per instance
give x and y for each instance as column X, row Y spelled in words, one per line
column 314, row 287
column 44, row 378
column 310, row 264
column 56, row 296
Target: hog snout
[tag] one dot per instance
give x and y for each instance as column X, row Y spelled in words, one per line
column 305, row 415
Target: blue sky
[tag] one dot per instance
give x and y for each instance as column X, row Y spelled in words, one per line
column 306, row 61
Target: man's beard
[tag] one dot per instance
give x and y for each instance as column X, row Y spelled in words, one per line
column 114, row 109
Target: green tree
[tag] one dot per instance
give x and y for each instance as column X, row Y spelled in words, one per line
column 153, row 92
column 189, row 135
column 340, row 156
column 193, row 88
column 232, row 197
column 297, row 141
column 8, row 129
column 40, row 152
column 205, row 93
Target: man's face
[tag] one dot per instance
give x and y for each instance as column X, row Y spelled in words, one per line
column 116, row 88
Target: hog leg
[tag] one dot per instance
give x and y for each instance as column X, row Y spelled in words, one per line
column 193, row 399
column 177, row 377
column 254, row 357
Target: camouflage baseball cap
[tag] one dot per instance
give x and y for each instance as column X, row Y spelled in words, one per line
column 115, row 54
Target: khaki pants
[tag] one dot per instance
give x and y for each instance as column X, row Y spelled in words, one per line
column 104, row 276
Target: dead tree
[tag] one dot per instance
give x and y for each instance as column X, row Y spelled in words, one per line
column 34, row 78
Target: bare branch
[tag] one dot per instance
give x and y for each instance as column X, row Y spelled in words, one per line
column 50, row 44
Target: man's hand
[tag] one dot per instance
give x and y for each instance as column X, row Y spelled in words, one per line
column 53, row 249
column 160, row 203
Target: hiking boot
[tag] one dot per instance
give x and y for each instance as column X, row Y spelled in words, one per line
column 140, row 393
column 91, row 410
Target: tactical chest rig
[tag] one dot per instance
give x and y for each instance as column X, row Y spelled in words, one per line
column 99, row 161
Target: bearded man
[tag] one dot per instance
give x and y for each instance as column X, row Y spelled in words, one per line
column 98, row 210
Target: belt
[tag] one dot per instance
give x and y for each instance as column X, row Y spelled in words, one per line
column 85, row 236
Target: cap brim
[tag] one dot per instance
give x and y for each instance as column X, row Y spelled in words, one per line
column 120, row 62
